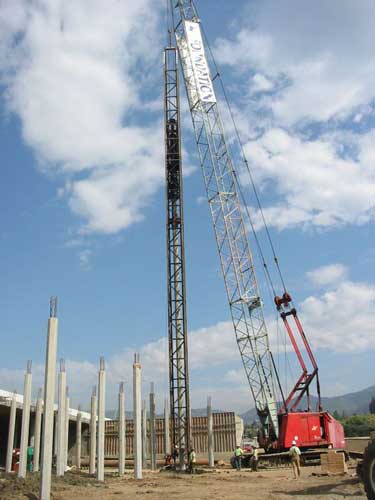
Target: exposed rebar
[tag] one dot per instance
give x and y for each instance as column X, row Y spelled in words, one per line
column 102, row 363
column 53, row 307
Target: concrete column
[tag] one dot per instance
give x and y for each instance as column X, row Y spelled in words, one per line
column 144, row 435
column 101, row 420
column 12, row 425
column 152, row 428
column 210, row 429
column 122, row 430
column 78, row 438
column 137, row 400
column 37, row 429
column 66, row 432
column 167, row 437
column 60, row 458
column 93, row 432
column 25, row 422
column 49, row 400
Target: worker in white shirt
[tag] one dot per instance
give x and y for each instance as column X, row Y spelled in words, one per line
column 295, row 453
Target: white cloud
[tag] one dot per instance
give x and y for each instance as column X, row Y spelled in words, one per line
column 84, row 259
column 290, row 75
column 367, row 151
column 13, row 19
column 75, row 78
column 322, row 59
column 236, row 377
column 260, row 83
column 341, row 320
column 13, row 379
column 111, row 200
column 328, row 275
column 82, row 375
column 316, row 185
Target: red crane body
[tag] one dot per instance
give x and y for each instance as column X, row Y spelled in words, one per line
column 308, row 428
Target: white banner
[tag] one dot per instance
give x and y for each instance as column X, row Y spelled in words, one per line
column 188, row 70
column 201, row 70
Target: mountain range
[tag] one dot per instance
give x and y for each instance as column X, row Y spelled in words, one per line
column 348, row 404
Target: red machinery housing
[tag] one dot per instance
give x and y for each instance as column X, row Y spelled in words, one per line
column 310, row 430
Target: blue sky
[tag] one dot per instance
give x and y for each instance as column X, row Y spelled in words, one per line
column 82, row 200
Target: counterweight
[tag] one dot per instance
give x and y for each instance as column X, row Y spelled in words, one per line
column 177, row 329
column 220, row 182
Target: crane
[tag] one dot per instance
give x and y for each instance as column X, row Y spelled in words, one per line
column 280, row 424
column 230, row 232
column 177, row 328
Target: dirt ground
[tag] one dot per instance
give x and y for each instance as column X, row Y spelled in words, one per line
column 228, row 484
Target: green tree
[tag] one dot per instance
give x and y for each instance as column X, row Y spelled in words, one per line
column 372, row 406
column 336, row 415
column 359, row 425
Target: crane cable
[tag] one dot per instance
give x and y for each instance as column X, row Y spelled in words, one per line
column 244, row 160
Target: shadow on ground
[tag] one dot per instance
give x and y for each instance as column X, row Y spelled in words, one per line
column 324, row 489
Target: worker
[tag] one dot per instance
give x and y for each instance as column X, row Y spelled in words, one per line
column 254, row 459
column 192, row 461
column 295, row 453
column 30, row 456
column 175, row 454
column 238, row 452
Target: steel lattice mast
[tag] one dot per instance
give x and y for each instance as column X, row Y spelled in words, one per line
column 177, row 329
column 220, row 182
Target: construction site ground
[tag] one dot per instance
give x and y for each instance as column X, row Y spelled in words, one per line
column 269, row 484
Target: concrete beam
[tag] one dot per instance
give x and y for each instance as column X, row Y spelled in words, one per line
column 210, row 430
column 144, row 435
column 61, row 415
column 93, row 432
column 101, row 420
column 78, row 438
column 25, row 422
column 66, row 431
column 11, row 428
column 49, row 400
column 137, row 400
column 122, row 430
column 167, row 436
column 152, row 428
column 37, row 431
